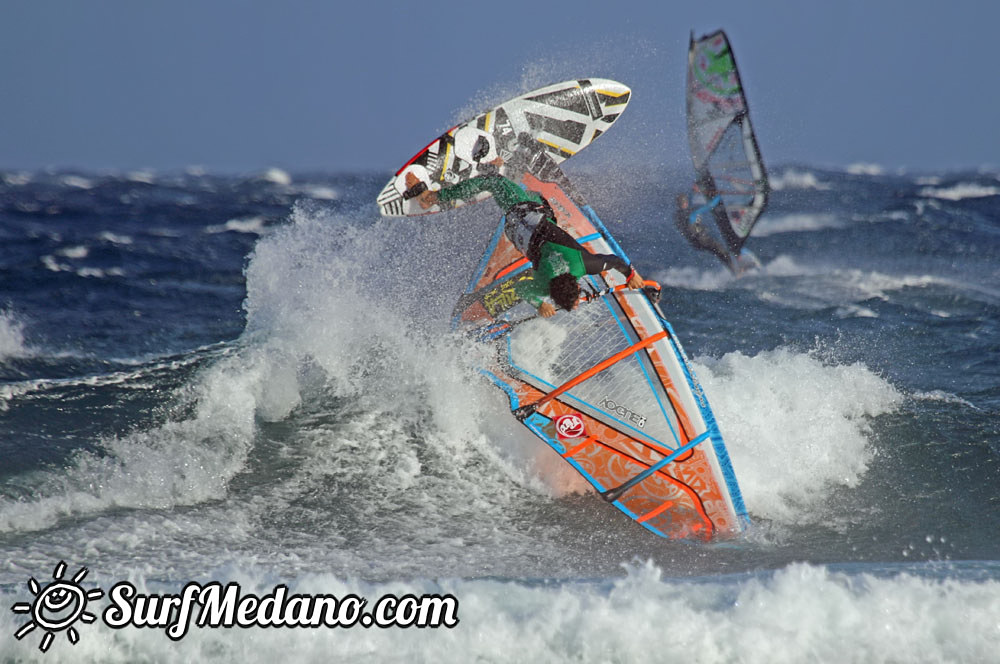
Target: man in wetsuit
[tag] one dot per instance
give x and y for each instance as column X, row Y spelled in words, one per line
column 557, row 258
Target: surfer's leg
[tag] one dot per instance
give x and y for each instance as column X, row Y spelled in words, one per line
column 547, row 231
column 701, row 239
column 520, row 230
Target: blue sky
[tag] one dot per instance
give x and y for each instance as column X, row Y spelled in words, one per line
column 306, row 85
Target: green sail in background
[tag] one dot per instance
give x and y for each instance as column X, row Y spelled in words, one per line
column 724, row 149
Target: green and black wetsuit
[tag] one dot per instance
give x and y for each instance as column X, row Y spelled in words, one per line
column 532, row 228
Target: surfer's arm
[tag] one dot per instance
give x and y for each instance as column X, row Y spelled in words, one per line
column 497, row 185
column 465, row 189
column 506, row 192
column 533, row 291
column 597, row 263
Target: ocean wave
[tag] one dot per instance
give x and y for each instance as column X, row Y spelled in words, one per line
column 76, row 182
column 17, row 179
column 77, row 251
column 862, row 168
column 943, row 397
column 796, row 179
column 960, row 191
column 316, row 321
column 53, row 265
column 275, row 176
column 253, row 225
column 114, row 238
column 825, row 286
column 796, row 427
column 797, row 613
column 695, row 278
column 142, row 177
column 319, row 192
column 12, row 342
column 795, row 223
column 183, row 462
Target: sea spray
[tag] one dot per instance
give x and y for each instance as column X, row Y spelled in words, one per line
column 796, row 427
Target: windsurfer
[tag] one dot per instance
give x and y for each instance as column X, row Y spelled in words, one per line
column 557, row 258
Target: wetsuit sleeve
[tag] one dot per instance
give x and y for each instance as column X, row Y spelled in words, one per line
column 596, row 263
column 532, row 291
column 506, row 192
column 467, row 189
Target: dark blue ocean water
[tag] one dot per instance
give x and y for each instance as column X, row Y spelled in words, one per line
column 250, row 379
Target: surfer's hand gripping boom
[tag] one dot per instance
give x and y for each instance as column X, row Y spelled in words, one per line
column 650, row 288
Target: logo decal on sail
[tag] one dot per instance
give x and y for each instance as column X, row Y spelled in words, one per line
column 570, row 426
column 623, row 412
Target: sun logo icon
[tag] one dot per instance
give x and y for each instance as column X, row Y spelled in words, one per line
column 57, row 606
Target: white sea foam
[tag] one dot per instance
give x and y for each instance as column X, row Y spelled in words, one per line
column 320, row 192
column 54, row 265
column 276, row 176
column 142, row 177
column 845, row 289
column 863, row 168
column 253, row 225
column 12, row 343
column 960, row 191
column 795, row 179
column 892, row 215
column 796, row 427
column 719, row 277
column 17, row 179
column 100, row 273
column 816, row 286
column 77, row 182
column 855, row 311
column 314, row 314
column 695, row 278
column 115, row 238
column 78, row 251
column 943, row 397
column 795, row 223
column 797, row 613
column 142, row 378
column 182, row 462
